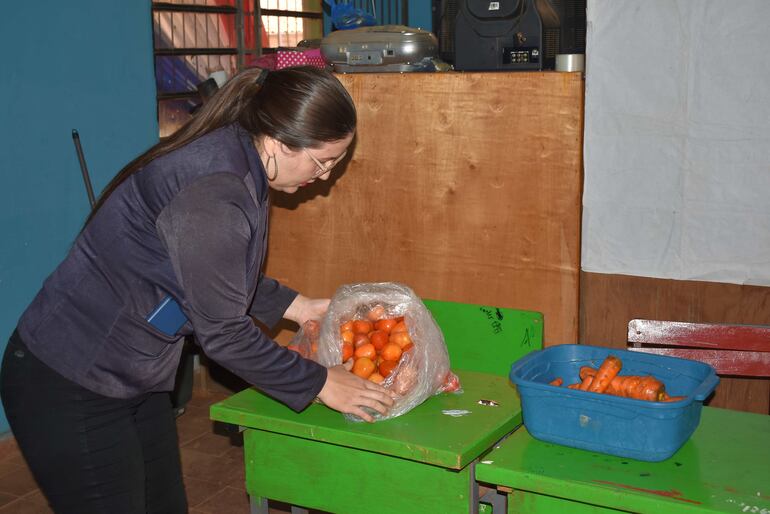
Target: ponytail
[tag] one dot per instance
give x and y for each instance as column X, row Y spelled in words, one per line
column 300, row 107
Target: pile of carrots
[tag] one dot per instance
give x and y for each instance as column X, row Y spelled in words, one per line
column 607, row 380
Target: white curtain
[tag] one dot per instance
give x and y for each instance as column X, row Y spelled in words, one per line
column 677, row 140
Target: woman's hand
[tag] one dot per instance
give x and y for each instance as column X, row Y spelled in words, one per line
column 347, row 393
column 303, row 309
column 343, row 391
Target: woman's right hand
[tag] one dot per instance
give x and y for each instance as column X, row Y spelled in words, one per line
column 347, row 393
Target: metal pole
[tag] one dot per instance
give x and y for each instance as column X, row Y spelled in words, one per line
column 83, row 168
column 239, row 34
column 257, row 12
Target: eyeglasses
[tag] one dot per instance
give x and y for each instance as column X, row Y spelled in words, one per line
column 324, row 168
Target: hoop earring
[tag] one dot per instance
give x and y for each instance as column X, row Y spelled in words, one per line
column 275, row 168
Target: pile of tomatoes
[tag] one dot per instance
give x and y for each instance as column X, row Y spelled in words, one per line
column 376, row 345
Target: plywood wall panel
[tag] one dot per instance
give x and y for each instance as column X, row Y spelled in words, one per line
column 464, row 186
column 608, row 302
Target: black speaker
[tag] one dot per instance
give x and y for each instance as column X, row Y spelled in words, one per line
column 573, row 25
column 444, row 16
column 503, row 34
column 498, row 35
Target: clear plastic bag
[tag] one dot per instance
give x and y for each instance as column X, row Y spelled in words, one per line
column 422, row 370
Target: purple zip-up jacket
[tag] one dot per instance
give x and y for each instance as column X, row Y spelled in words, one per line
column 192, row 224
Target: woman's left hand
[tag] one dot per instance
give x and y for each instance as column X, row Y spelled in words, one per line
column 303, row 309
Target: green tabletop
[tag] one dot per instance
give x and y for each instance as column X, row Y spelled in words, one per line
column 427, row 433
column 724, row 467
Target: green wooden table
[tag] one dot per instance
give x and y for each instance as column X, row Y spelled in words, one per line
column 723, row 467
column 419, row 462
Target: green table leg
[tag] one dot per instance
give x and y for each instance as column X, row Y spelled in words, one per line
column 346, row 480
column 493, row 503
column 258, row 505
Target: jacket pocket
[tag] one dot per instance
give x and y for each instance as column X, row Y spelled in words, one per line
column 137, row 334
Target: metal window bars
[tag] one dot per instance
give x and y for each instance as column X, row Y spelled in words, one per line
column 193, row 38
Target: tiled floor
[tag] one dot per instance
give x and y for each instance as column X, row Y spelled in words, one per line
column 212, row 465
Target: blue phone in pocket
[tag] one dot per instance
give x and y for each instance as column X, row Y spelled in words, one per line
column 167, row 317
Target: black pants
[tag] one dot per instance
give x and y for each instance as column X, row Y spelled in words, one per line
column 90, row 453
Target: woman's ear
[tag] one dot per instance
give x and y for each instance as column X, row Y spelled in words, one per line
column 269, row 145
column 285, row 150
column 272, row 146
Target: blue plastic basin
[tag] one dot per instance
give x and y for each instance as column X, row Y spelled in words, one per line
column 637, row 429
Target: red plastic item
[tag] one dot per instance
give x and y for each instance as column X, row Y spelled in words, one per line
column 288, row 58
column 739, row 350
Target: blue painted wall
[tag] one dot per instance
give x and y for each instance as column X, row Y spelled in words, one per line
column 86, row 65
column 420, row 14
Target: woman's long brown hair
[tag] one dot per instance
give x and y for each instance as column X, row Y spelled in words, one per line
column 301, row 107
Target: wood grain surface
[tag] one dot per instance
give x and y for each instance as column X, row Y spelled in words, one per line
column 464, row 186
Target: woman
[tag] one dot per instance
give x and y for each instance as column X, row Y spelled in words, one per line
column 86, row 375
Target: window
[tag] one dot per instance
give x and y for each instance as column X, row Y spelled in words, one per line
column 194, row 38
column 287, row 22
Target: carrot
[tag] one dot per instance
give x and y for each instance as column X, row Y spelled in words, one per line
column 607, row 371
column 586, row 371
column 556, row 382
column 667, row 398
column 650, row 388
column 606, row 380
column 587, row 382
column 639, row 388
column 622, row 384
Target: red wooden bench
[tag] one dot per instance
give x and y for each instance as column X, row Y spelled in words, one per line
column 739, row 350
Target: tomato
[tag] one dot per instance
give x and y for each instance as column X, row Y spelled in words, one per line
column 348, row 325
column 387, row 367
column 400, row 338
column 399, row 327
column 451, row 383
column 347, row 336
column 375, row 313
column 378, row 339
column 366, row 350
column 360, row 339
column 386, row 325
column 407, row 347
column 376, row 378
column 391, row 352
column 361, row 326
column 347, row 351
column 363, row 367
column 405, row 380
